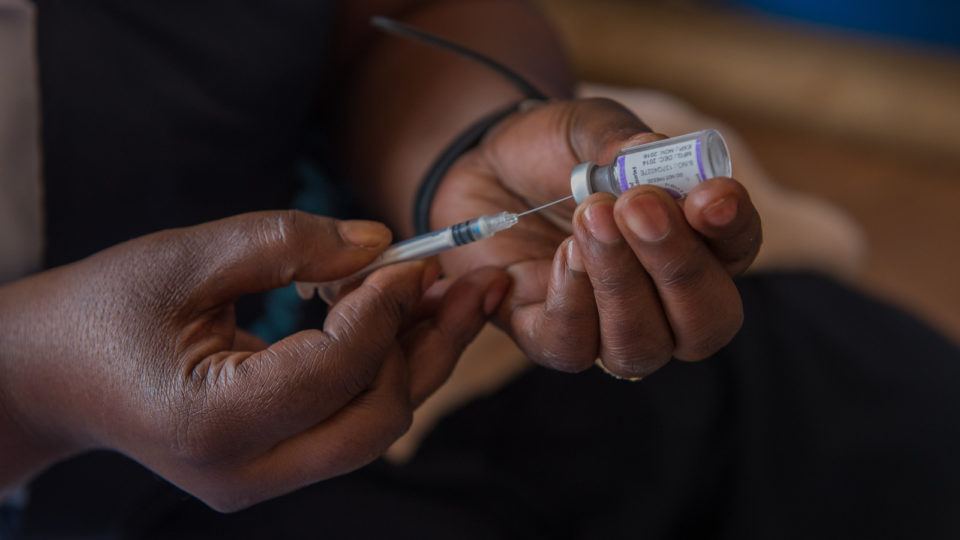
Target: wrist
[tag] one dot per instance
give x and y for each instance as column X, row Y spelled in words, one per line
column 26, row 447
column 452, row 155
column 25, row 453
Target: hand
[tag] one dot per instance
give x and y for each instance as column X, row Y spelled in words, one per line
column 135, row 349
column 640, row 279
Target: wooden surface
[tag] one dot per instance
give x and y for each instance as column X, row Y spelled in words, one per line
column 837, row 84
column 909, row 206
column 872, row 127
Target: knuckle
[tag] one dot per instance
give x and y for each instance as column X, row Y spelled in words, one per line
column 359, row 379
column 377, row 335
column 565, row 339
column 612, row 284
column 681, row 272
column 563, row 361
column 280, row 227
column 568, row 354
column 361, row 367
column 393, row 304
column 635, row 366
column 638, row 358
column 712, row 336
column 279, row 232
column 314, row 346
column 325, row 354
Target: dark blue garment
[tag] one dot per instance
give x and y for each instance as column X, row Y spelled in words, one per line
column 160, row 114
column 830, row 416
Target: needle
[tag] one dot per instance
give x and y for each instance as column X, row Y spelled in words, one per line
column 541, row 207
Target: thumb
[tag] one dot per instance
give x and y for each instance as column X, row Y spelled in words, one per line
column 547, row 142
column 434, row 346
column 251, row 401
column 264, row 250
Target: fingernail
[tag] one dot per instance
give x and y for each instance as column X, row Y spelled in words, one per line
column 574, row 261
column 647, row 218
column 365, row 234
column 599, row 221
column 494, row 296
column 722, row 212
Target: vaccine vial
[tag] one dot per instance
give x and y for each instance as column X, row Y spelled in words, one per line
column 677, row 165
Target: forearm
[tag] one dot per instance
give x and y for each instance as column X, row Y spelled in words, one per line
column 407, row 101
column 19, row 458
column 24, row 452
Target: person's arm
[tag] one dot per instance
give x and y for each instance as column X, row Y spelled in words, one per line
column 640, row 280
column 23, row 451
column 135, row 349
column 405, row 101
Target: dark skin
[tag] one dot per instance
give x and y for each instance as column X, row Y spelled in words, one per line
column 135, row 348
column 641, row 279
column 631, row 303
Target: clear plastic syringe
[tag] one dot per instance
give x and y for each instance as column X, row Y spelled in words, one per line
column 419, row 247
column 676, row 165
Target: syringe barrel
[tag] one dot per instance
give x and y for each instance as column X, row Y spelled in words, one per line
column 676, row 164
column 418, row 247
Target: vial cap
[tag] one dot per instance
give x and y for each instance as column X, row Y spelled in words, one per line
column 580, row 181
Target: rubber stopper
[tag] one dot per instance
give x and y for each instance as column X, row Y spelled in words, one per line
column 580, row 181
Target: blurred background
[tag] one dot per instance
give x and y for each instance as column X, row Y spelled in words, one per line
column 856, row 102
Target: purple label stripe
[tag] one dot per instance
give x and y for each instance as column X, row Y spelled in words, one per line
column 622, row 166
column 700, row 161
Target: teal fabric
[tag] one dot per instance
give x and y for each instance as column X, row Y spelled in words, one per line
column 281, row 308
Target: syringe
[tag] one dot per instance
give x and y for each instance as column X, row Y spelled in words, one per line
column 676, row 165
column 420, row 247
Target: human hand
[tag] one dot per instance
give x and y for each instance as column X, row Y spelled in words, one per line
column 640, row 279
column 135, row 349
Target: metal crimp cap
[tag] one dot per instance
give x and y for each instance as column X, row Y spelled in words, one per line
column 580, row 181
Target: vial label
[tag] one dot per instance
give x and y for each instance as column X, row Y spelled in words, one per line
column 676, row 168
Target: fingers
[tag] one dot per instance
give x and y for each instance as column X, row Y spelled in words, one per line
column 351, row 380
column 561, row 330
column 722, row 212
column 265, row 250
column 433, row 347
column 698, row 297
column 533, row 152
column 599, row 128
column 650, row 289
column 635, row 336
column 356, row 435
column 303, row 379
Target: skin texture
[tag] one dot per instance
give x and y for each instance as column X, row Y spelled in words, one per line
column 136, row 349
column 631, row 303
column 640, row 279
